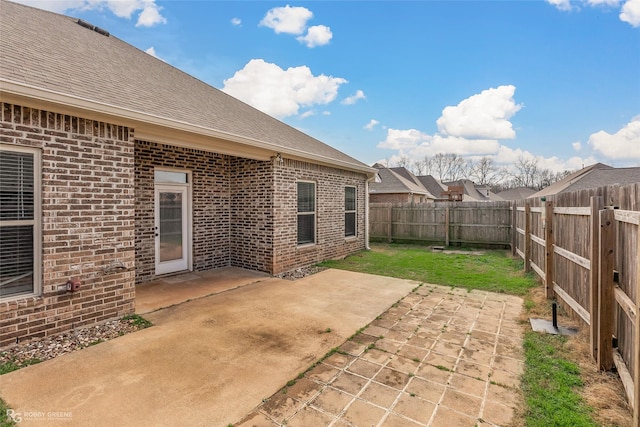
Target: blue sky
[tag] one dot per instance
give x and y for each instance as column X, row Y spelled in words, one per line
column 558, row 81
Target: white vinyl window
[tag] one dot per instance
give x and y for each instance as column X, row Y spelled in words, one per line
column 19, row 221
column 350, row 211
column 306, row 212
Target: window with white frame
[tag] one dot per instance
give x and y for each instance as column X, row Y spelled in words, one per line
column 349, row 211
column 19, row 221
column 306, row 212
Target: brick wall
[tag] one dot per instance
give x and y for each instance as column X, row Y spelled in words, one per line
column 87, row 222
column 391, row 198
column 251, row 203
column 330, row 239
column 210, row 207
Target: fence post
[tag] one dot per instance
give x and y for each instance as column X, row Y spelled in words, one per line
column 636, row 343
column 605, row 289
column 514, row 226
column 527, row 236
column 548, row 241
column 596, row 203
column 390, row 227
column 446, row 226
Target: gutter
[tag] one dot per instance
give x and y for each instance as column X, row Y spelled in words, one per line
column 59, row 98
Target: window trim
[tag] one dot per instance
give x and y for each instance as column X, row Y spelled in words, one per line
column 314, row 213
column 36, row 222
column 354, row 212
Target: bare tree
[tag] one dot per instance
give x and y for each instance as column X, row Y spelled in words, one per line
column 485, row 171
column 448, row 167
column 419, row 167
column 526, row 172
column 403, row 162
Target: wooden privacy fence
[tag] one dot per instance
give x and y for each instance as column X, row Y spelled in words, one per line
column 585, row 246
column 447, row 223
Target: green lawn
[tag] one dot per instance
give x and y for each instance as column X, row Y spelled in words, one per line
column 494, row 271
column 551, row 384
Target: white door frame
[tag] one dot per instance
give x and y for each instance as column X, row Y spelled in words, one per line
column 183, row 263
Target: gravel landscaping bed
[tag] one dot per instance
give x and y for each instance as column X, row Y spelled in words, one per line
column 47, row 348
column 299, row 273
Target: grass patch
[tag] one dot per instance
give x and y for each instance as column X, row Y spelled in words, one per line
column 13, row 365
column 493, row 271
column 552, row 384
column 5, row 421
column 138, row 321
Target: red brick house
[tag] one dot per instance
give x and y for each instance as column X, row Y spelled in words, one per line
column 117, row 168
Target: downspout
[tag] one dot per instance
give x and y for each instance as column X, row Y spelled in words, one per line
column 366, row 214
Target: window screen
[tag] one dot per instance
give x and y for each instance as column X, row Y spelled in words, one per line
column 306, row 212
column 17, row 222
column 349, row 211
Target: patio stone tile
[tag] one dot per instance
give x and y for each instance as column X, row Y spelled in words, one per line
column 481, row 357
column 394, row 420
column 392, row 378
column 509, row 350
column 448, row 418
column 383, row 322
column 280, row 406
column 508, row 379
column 349, row 382
column 332, row 401
column 462, row 402
column 437, row 359
column 352, row 348
column 322, row 372
column 304, row 389
column 309, row 417
column 398, row 335
column 434, row 374
column 414, row 408
column 377, row 356
column 338, row 360
column 402, row 364
column 426, row 390
column 257, row 419
column 361, row 413
column 453, row 337
column 376, row 331
column 364, row 368
column 491, row 327
column 468, row 385
column 497, row 414
column 411, row 352
column 364, row 339
column 388, row 345
column 446, row 348
column 479, row 345
column 379, row 394
column 473, row 369
column 503, row 395
column 484, row 336
column 421, row 341
column 508, row 364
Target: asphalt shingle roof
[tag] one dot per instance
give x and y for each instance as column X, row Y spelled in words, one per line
column 51, row 52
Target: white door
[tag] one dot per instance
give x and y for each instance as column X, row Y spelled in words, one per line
column 171, row 228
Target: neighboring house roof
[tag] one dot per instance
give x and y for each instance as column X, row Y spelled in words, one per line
column 51, row 59
column 432, row 185
column 475, row 193
column 394, row 182
column 519, row 193
column 593, row 176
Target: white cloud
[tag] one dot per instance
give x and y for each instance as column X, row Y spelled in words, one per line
column 318, row 35
column 603, row 2
column 236, row 21
column 577, row 146
column 279, row 92
column 148, row 17
column 482, row 116
column 624, row 144
column 350, row 100
column 288, row 19
column 372, row 123
column 631, row 13
column 561, row 4
column 308, row 113
column 398, row 139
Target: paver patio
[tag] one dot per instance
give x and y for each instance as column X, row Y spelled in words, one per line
column 440, row 357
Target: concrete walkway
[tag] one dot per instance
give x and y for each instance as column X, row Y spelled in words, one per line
column 206, row 362
column 440, row 357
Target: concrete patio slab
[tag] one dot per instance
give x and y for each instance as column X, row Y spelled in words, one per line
column 209, row 361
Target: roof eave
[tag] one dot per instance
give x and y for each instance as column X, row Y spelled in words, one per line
column 12, row 91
